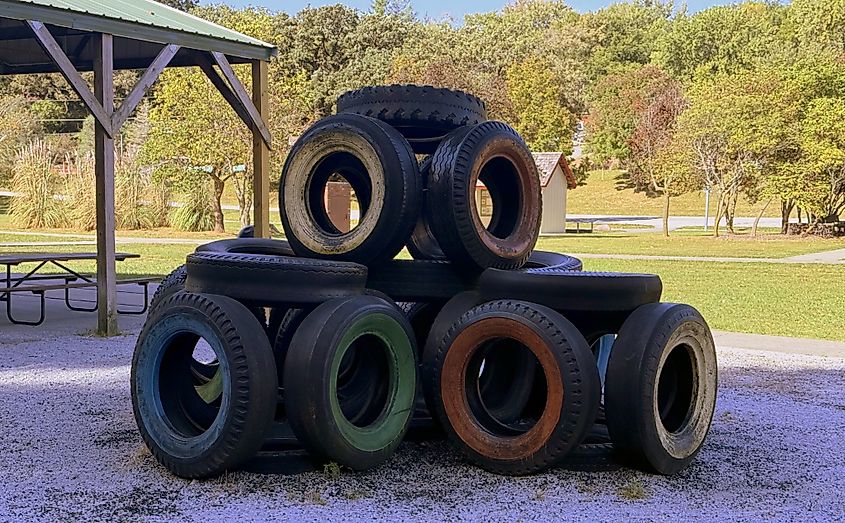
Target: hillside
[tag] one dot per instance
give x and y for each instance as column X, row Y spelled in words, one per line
column 603, row 194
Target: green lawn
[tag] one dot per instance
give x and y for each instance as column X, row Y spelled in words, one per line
column 604, row 193
column 781, row 299
column 688, row 243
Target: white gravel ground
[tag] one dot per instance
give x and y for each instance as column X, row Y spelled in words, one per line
column 69, row 450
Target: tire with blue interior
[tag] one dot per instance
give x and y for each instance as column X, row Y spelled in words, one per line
column 200, row 426
column 347, row 346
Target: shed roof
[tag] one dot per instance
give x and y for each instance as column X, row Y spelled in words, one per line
column 137, row 20
column 546, row 164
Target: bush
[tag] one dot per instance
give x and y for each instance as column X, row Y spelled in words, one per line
column 35, row 181
column 81, row 191
column 197, row 212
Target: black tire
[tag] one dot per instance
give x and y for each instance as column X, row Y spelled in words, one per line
column 421, row 316
column 248, row 246
column 420, row 280
column 493, row 153
column 451, row 312
column 423, row 114
column 273, row 280
column 569, row 290
column 381, row 168
column 363, row 434
column 553, row 260
column 422, row 245
column 171, row 284
column 564, row 395
column 288, row 325
column 660, row 388
column 228, row 428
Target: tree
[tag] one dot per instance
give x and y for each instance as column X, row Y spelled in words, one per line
column 624, row 35
column 717, row 40
column 652, row 162
column 615, row 103
column 194, row 128
column 182, row 5
column 823, row 143
column 17, row 127
column 541, row 116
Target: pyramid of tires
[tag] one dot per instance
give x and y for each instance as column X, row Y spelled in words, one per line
column 329, row 343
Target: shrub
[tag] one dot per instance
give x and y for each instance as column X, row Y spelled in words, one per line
column 35, row 181
column 197, row 211
column 81, row 191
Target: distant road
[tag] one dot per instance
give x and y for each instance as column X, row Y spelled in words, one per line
column 675, row 222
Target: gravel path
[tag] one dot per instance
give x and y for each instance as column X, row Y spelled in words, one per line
column 69, row 450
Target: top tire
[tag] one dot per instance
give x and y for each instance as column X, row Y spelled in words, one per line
column 423, row 114
column 379, row 165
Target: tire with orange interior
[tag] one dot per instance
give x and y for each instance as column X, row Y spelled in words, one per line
column 559, row 409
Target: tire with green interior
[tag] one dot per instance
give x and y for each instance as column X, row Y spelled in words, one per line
column 342, row 344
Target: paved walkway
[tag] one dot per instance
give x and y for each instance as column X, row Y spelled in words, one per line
column 837, row 256
column 810, row 347
column 90, row 240
column 675, row 222
column 829, row 257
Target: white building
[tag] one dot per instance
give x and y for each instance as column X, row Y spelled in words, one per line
column 556, row 179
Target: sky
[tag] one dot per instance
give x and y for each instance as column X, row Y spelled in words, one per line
column 437, row 9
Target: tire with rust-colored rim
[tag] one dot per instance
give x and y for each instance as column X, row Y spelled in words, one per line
column 349, row 379
column 494, row 154
column 564, row 394
column 660, row 389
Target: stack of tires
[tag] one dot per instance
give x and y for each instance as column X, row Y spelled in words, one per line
column 479, row 335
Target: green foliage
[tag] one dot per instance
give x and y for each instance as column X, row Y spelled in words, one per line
column 540, row 116
column 17, row 126
column 721, row 39
column 196, row 212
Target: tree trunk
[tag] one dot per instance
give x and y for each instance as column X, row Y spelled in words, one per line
column 759, row 217
column 219, row 185
column 718, row 216
column 785, row 211
column 666, row 198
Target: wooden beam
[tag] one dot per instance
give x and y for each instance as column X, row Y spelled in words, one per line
column 207, row 67
column 104, row 170
column 143, row 86
column 255, row 117
column 260, row 153
column 52, row 48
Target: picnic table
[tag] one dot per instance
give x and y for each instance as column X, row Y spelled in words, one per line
column 30, row 281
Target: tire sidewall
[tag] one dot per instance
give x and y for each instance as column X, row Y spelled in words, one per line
column 647, row 338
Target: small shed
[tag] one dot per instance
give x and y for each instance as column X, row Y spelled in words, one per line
column 556, row 179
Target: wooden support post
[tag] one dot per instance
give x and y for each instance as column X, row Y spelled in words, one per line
column 104, row 169
column 260, row 152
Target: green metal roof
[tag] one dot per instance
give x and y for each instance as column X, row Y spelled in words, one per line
column 144, row 20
